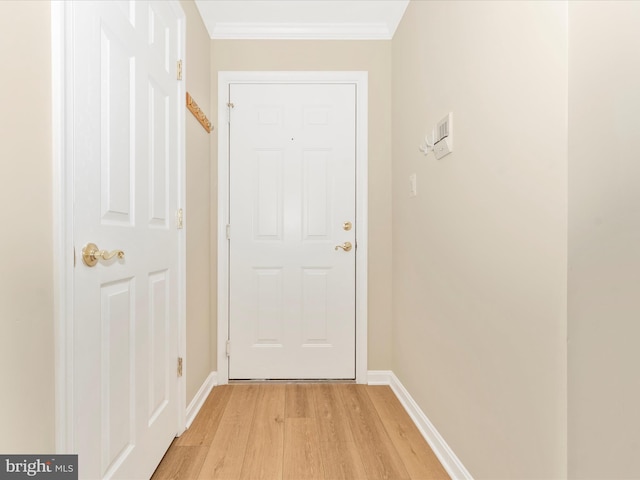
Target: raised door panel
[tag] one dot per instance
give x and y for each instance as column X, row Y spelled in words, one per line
column 117, row 120
column 268, row 195
column 316, row 193
column 315, row 306
column 118, row 359
column 159, row 155
column 159, row 285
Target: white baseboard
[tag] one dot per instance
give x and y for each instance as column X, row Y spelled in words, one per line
column 380, row 377
column 448, row 459
column 198, row 400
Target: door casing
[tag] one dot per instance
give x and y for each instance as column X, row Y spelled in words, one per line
column 360, row 79
column 62, row 210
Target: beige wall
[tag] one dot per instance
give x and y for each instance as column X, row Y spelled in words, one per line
column 479, row 256
column 198, row 209
column 479, row 272
column 604, row 240
column 26, row 268
column 371, row 56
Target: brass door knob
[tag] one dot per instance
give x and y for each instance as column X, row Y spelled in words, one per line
column 346, row 246
column 91, row 254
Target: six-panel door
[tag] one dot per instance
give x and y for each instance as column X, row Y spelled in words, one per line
column 125, row 151
column 292, row 189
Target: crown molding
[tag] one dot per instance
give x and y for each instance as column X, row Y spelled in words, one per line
column 301, row 31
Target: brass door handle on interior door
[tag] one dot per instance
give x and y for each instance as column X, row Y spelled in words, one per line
column 346, row 246
column 91, row 254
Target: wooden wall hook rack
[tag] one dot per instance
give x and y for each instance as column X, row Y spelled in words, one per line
column 198, row 113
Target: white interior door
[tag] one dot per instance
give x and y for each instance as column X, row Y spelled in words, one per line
column 125, row 147
column 292, row 192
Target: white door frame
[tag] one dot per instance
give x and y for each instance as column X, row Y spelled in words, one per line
column 63, row 228
column 360, row 79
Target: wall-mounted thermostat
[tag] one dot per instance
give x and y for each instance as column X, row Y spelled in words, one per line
column 443, row 141
column 442, row 138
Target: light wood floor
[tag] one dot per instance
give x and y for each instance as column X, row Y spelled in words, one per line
column 301, row 431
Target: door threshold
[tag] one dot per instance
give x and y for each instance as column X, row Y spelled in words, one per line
column 253, row 381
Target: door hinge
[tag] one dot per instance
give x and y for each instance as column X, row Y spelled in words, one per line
column 179, row 366
column 179, row 219
column 74, row 257
column 228, row 348
column 179, row 70
column 228, row 231
column 229, row 107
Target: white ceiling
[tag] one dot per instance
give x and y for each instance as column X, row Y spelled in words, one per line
column 302, row 19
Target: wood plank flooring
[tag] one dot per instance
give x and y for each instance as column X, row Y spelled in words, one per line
column 301, row 432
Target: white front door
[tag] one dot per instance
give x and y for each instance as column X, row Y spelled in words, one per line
column 125, row 148
column 292, row 206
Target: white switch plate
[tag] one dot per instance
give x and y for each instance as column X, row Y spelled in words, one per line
column 413, row 189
